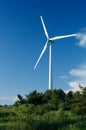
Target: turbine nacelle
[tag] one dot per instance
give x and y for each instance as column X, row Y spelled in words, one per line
column 51, row 41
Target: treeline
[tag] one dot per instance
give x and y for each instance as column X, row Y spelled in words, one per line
column 51, row 110
column 56, row 99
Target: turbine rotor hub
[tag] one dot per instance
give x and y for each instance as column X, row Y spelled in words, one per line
column 51, row 41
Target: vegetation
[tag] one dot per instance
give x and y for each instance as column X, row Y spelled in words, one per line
column 51, row 110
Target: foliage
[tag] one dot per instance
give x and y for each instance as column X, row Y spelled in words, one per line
column 51, row 110
column 79, row 102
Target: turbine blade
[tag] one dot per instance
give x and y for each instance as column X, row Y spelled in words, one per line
column 60, row 37
column 44, row 49
column 45, row 30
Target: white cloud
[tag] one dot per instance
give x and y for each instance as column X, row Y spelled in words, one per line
column 80, row 74
column 81, row 37
column 3, row 98
column 74, row 85
column 8, row 99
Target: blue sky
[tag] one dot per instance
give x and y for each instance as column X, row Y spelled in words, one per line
column 22, row 39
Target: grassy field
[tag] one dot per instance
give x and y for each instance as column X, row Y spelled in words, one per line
column 51, row 122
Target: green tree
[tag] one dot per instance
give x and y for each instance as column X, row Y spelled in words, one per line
column 54, row 100
column 79, row 102
column 61, row 98
column 20, row 100
column 35, row 98
column 69, row 98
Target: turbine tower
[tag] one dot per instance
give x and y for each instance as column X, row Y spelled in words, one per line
column 49, row 42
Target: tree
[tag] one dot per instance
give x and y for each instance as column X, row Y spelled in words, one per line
column 35, row 98
column 55, row 98
column 20, row 100
column 47, row 96
column 79, row 102
column 61, row 98
column 69, row 98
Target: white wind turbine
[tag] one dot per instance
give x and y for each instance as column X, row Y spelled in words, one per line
column 49, row 42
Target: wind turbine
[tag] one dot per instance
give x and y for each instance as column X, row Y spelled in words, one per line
column 49, row 42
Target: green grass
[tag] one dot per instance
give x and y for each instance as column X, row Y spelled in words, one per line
column 52, row 120
column 48, row 125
